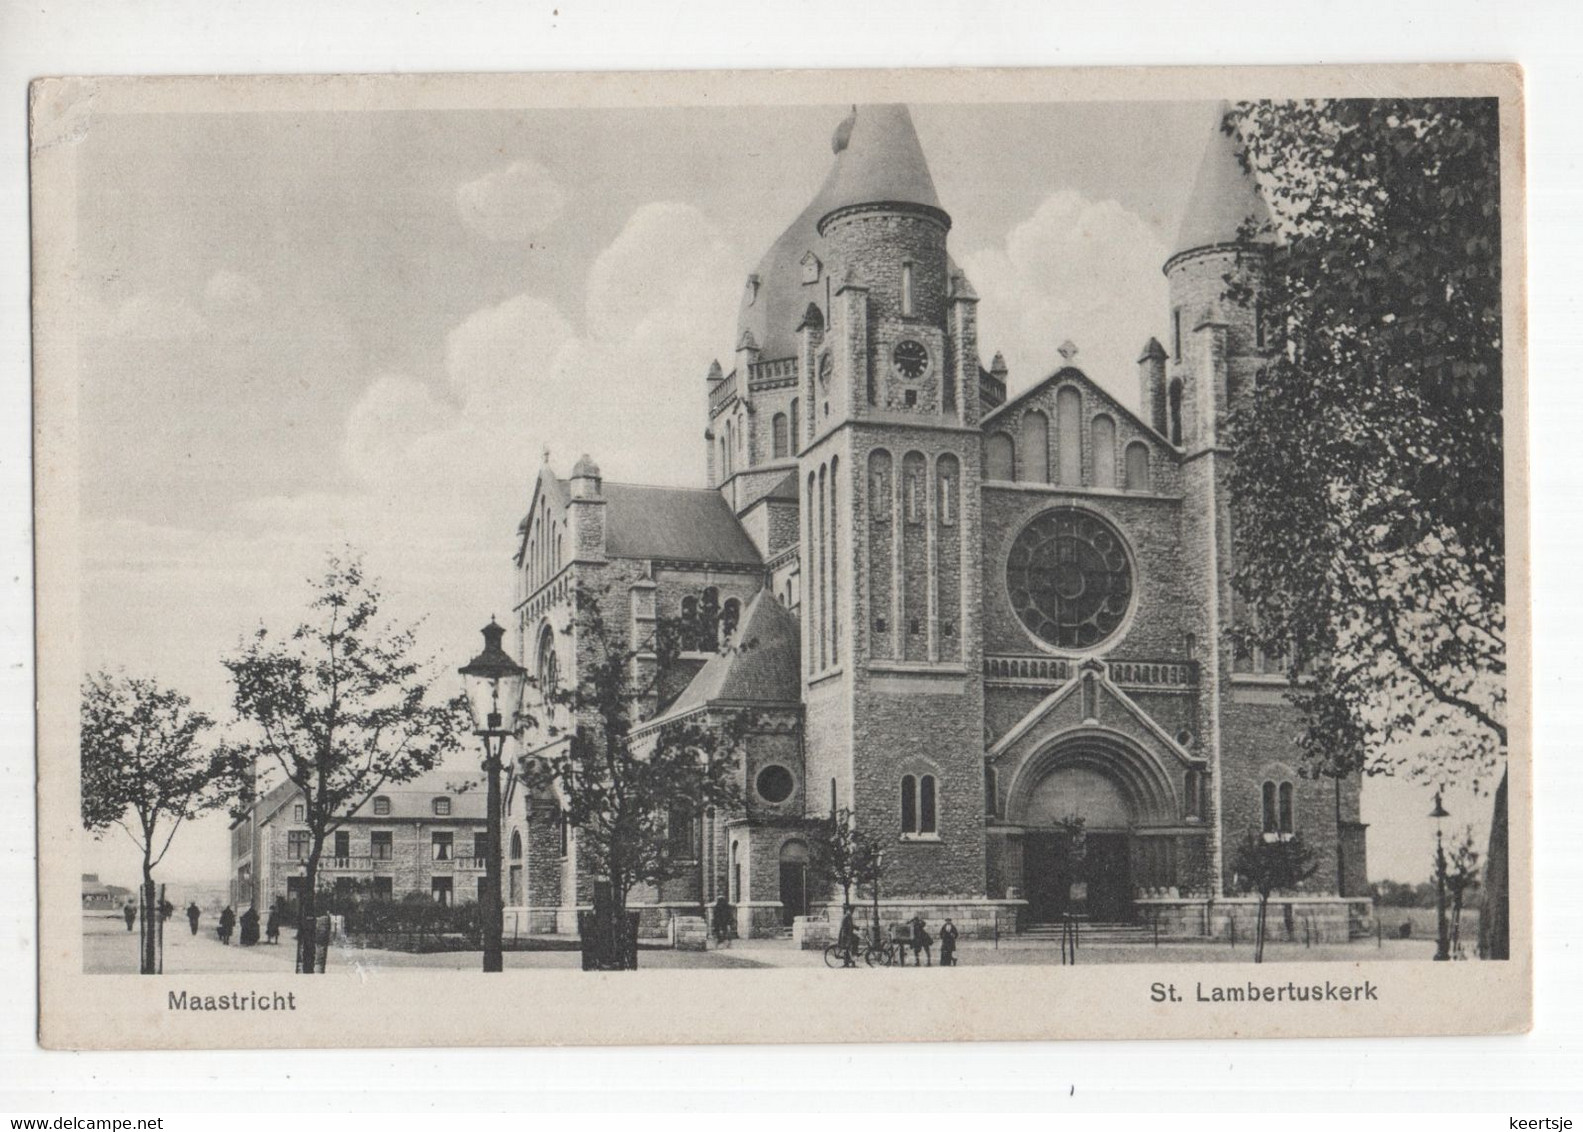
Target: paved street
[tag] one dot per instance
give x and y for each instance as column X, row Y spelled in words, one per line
column 109, row 949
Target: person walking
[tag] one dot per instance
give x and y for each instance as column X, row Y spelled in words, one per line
column 227, row 925
column 847, row 940
column 272, row 926
column 129, row 913
column 721, row 922
column 192, row 916
column 921, row 940
column 948, row 943
column 249, row 935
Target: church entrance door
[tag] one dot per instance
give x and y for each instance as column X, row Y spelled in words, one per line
column 1100, row 887
column 794, row 881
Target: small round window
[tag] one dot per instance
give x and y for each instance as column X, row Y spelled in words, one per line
column 775, row 784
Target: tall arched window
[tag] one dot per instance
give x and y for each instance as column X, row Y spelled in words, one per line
column 926, row 806
column 1280, row 818
column 824, row 569
column 547, row 666
column 779, row 434
column 947, row 469
column 1069, row 423
column 730, row 451
column 835, row 561
column 796, row 437
column 1104, row 452
column 1176, row 412
column 1000, row 457
column 919, row 806
column 709, row 619
column 730, row 614
column 1137, row 466
column 516, row 845
column 1035, row 448
column 879, row 472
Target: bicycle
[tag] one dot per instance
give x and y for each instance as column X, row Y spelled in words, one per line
column 886, row 954
column 838, row 955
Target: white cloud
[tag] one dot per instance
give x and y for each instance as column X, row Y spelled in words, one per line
column 230, row 295
column 1076, row 269
column 513, row 203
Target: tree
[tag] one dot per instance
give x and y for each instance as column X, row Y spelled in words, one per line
column 1367, row 481
column 146, row 768
column 338, row 708
column 1268, row 865
column 851, row 857
column 627, row 795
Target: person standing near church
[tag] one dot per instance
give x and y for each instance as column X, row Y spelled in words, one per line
column 129, row 913
column 948, row 943
column 192, row 916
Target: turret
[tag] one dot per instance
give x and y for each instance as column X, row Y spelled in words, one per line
column 1151, row 385
column 1214, row 345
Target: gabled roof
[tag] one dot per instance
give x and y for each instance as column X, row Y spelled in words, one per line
column 1072, row 373
column 675, row 523
column 1225, row 195
column 762, row 669
column 783, row 492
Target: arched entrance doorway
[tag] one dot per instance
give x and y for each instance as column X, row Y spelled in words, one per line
column 794, row 880
column 1080, row 802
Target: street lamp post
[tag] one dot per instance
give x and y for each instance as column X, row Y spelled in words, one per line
column 493, row 683
column 1442, row 927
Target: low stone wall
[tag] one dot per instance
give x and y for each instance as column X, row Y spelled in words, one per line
column 1296, row 919
column 975, row 918
column 690, row 933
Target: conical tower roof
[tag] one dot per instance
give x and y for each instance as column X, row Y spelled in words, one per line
column 1224, row 195
column 881, row 162
column 877, row 159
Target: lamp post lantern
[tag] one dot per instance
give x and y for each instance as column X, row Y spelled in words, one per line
column 1442, row 927
column 493, row 683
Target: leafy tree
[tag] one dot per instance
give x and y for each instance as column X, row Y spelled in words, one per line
column 1368, row 487
column 623, row 793
column 851, row 857
column 146, row 768
column 338, row 708
column 1265, row 866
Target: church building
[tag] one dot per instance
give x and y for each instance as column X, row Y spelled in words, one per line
column 975, row 620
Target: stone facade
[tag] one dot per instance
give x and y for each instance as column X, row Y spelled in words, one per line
column 878, row 485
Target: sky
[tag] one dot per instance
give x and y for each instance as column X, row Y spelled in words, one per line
column 303, row 332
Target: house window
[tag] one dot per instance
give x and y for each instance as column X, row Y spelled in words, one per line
column 440, row 845
column 1279, row 818
column 481, row 846
column 442, row 807
column 918, row 805
column 440, row 889
column 380, row 845
column 297, row 844
column 299, row 812
column 381, row 807
column 343, row 845
column 384, row 888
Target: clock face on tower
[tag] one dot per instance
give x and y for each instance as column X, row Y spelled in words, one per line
column 910, row 359
column 1069, row 578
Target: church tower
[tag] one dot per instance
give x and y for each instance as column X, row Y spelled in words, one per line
column 1216, row 352
column 889, row 469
